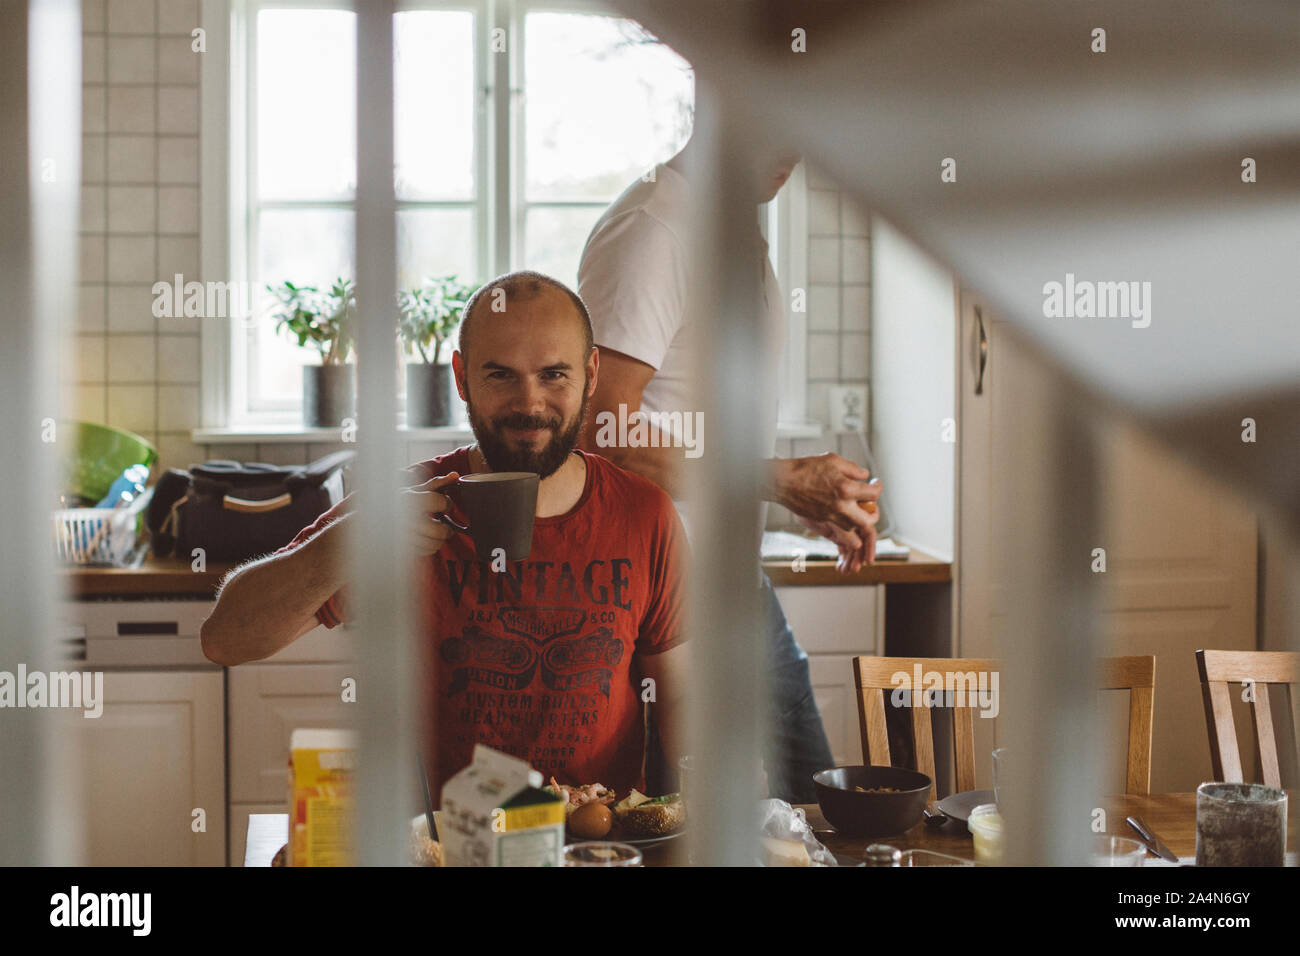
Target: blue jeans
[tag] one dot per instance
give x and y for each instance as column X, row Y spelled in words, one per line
column 796, row 746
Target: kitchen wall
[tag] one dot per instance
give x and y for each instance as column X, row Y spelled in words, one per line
column 839, row 316
column 140, row 223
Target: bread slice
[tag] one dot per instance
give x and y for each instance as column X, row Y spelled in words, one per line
column 653, row 818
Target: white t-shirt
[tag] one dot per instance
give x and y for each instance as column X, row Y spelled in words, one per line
column 634, row 278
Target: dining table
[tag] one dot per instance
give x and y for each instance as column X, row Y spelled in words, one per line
column 1171, row 815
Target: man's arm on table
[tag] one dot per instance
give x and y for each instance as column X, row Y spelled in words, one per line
column 826, row 492
column 267, row 604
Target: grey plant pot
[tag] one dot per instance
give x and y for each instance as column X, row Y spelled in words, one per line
column 328, row 395
column 429, row 390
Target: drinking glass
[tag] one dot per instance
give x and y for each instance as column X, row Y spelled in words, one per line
column 1240, row 824
column 1117, row 851
column 601, row 853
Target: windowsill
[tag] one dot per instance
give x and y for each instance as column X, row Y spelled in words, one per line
column 269, row 434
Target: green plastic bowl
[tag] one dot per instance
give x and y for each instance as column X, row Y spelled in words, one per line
column 95, row 455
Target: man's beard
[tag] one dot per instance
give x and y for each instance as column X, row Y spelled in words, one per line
column 544, row 460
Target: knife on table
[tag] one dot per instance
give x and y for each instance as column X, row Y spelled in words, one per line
column 1151, row 840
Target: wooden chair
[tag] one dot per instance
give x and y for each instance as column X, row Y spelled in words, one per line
column 873, row 677
column 1220, row 670
column 1137, row 675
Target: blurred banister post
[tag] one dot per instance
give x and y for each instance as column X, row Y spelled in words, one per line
column 728, row 646
column 40, row 153
column 381, row 560
column 1048, row 702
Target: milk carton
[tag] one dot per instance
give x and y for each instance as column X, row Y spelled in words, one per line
column 321, row 764
column 495, row 813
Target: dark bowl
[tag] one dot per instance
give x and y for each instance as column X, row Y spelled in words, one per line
column 854, row 813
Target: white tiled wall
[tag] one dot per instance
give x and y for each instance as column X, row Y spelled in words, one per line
column 839, row 327
column 139, row 223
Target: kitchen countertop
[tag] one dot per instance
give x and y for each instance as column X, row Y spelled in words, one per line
column 155, row 576
column 919, row 568
column 172, row 576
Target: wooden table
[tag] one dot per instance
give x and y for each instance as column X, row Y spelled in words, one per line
column 1171, row 815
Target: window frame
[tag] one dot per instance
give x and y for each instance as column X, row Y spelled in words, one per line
column 226, row 236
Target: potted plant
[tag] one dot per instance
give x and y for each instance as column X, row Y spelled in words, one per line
column 324, row 321
column 428, row 316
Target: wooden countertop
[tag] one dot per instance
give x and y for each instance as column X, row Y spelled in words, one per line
column 172, row 576
column 919, row 568
column 155, row 576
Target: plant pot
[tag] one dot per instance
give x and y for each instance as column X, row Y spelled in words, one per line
column 328, row 395
column 430, row 393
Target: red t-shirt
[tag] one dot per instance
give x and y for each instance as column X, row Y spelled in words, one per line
column 538, row 661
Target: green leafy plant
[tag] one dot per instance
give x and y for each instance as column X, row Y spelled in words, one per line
column 325, row 321
column 429, row 314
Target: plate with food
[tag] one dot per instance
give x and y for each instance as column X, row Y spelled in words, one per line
column 594, row 812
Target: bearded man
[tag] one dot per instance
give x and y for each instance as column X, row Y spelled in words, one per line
column 547, row 658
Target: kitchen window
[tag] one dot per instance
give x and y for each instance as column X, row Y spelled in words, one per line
column 485, row 183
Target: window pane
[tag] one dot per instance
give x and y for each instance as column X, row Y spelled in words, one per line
column 305, row 247
column 436, row 242
column 306, row 104
column 434, row 103
column 604, row 102
column 554, row 237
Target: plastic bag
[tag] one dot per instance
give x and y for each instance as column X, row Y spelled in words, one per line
column 779, row 820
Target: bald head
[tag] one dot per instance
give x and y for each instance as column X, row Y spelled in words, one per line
column 514, row 288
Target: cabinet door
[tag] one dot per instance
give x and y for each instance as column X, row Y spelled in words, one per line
column 1180, row 554
column 839, row 619
column 832, row 680
column 267, row 703
column 835, row 624
column 155, row 755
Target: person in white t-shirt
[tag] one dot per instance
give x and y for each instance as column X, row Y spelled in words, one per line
column 634, row 277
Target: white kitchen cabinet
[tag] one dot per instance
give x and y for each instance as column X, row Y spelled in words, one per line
column 835, row 624
column 267, row 703
column 155, row 755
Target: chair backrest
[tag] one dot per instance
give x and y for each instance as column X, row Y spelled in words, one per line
column 1253, row 671
column 1137, row 675
column 875, row 677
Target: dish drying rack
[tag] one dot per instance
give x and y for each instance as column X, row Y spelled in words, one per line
column 100, row 536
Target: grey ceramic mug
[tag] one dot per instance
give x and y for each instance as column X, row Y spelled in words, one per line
column 501, row 506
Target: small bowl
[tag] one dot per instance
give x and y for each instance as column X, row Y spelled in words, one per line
column 986, row 826
column 855, row 813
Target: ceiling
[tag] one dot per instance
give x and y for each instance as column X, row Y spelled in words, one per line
column 1122, row 166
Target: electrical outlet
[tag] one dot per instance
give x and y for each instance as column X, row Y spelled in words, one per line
column 848, row 408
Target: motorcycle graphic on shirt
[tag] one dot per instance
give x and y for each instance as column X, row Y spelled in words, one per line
column 541, row 638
